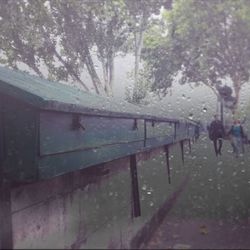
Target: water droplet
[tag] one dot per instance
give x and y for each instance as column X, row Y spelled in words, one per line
column 204, row 109
column 151, row 204
column 144, row 187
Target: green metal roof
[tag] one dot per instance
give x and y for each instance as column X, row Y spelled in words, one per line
column 49, row 95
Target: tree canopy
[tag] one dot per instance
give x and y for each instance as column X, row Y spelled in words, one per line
column 205, row 42
column 65, row 40
column 61, row 36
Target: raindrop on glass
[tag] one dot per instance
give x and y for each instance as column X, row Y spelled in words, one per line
column 204, row 109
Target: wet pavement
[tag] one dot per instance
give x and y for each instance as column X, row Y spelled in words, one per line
column 213, row 212
column 175, row 233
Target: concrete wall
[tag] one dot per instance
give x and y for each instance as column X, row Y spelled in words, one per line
column 91, row 208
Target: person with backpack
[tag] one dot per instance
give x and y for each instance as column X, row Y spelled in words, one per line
column 237, row 136
column 216, row 134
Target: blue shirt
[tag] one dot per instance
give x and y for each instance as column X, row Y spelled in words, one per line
column 236, row 131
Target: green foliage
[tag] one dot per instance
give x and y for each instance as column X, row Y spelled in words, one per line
column 204, row 42
column 139, row 92
column 60, row 39
column 140, row 14
column 60, row 36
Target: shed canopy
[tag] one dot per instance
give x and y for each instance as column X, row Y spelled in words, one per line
column 48, row 95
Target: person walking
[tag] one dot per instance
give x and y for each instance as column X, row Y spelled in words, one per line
column 237, row 134
column 216, row 134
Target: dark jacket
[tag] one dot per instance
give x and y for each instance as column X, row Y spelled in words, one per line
column 216, row 130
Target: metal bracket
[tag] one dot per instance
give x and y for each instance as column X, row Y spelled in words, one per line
column 135, row 125
column 76, row 122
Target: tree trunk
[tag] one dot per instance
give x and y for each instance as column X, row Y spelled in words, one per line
column 69, row 69
column 237, row 87
column 111, row 73
column 138, row 48
column 237, row 97
column 92, row 72
column 105, row 74
column 138, row 42
column 108, row 73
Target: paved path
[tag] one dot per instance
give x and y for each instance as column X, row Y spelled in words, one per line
column 175, row 233
column 214, row 210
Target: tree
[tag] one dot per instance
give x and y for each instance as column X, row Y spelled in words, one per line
column 29, row 36
column 139, row 18
column 61, row 36
column 206, row 42
column 110, row 32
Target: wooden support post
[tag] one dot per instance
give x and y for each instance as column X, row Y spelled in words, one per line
column 182, row 150
column 167, row 161
column 136, row 208
column 6, row 241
